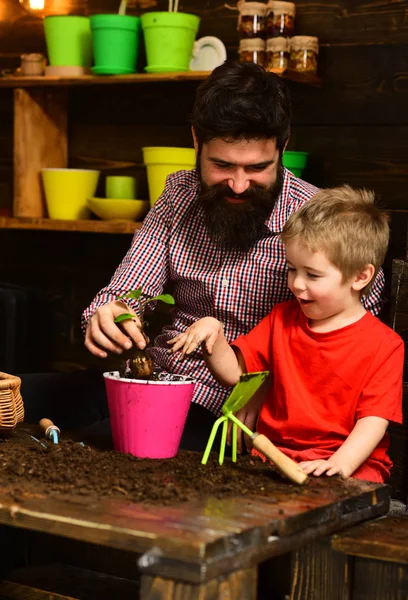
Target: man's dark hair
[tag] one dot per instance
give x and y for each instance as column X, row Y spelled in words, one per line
column 242, row 101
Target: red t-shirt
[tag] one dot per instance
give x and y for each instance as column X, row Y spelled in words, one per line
column 322, row 383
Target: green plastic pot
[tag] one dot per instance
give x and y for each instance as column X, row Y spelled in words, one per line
column 115, row 41
column 169, row 40
column 295, row 161
column 69, row 40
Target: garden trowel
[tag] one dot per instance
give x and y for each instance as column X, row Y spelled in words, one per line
column 242, row 392
column 50, row 430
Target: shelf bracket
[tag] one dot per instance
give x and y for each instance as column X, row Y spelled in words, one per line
column 40, row 140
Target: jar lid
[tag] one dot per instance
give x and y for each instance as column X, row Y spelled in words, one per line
column 251, row 8
column 32, row 57
column 304, row 42
column 252, row 44
column 287, row 8
column 278, row 44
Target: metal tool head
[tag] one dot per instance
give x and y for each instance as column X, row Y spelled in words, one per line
column 244, row 390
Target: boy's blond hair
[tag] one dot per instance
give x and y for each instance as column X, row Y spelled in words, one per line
column 344, row 224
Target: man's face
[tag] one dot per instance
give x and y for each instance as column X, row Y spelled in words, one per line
column 239, row 164
column 241, row 181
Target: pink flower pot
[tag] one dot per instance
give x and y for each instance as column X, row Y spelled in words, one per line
column 147, row 417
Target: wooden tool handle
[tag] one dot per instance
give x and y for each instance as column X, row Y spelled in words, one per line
column 286, row 465
column 46, row 425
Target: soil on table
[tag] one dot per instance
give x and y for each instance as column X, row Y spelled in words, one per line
column 70, row 468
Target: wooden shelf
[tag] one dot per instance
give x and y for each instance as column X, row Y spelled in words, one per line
column 15, row 81
column 41, row 106
column 128, row 227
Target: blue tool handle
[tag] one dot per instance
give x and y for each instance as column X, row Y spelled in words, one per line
column 50, row 430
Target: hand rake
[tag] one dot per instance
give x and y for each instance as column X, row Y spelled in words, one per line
column 242, row 392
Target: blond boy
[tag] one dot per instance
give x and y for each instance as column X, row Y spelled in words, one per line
column 336, row 369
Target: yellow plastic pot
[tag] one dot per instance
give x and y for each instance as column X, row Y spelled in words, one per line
column 160, row 161
column 67, row 191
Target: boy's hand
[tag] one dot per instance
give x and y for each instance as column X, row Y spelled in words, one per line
column 205, row 331
column 321, row 467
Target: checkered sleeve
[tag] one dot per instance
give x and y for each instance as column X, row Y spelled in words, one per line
column 374, row 302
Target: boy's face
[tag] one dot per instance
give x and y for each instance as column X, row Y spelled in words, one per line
column 318, row 285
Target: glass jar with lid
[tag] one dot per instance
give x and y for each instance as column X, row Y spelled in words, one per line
column 303, row 54
column 252, row 50
column 280, row 19
column 277, row 53
column 251, row 20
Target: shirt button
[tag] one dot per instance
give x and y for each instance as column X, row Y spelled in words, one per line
column 224, row 282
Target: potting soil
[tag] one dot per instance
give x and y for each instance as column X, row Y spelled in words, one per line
column 71, row 469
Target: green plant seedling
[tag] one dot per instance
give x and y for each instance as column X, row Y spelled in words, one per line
column 140, row 363
column 135, row 295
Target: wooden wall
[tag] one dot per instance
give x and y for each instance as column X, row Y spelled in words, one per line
column 354, row 127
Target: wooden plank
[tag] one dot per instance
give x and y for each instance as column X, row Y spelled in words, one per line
column 87, row 80
column 398, row 450
column 398, row 453
column 318, row 573
column 17, row 591
column 374, row 157
column 40, row 140
column 335, row 22
column 200, row 541
column 378, row 580
column 18, row 81
column 383, row 539
column 399, row 296
column 362, row 85
column 91, row 226
column 235, row 586
column 346, row 22
column 42, row 549
column 65, row 580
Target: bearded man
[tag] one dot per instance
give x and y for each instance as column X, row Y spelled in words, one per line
column 214, row 235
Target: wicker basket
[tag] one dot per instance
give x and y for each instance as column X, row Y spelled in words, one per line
column 11, row 403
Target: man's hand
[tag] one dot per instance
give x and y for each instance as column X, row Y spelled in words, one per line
column 204, row 331
column 102, row 334
column 319, row 467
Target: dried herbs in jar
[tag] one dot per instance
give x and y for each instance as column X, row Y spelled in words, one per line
column 280, row 19
column 277, row 53
column 252, row 50
column 251, row 20
column 303, row 54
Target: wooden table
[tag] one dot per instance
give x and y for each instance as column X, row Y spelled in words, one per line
column 208, row 549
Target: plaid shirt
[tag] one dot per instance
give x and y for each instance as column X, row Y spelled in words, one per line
column 238, row 289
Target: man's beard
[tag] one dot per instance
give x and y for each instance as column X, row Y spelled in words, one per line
column 238, row 226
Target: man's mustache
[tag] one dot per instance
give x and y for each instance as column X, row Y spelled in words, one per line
column 223, row 190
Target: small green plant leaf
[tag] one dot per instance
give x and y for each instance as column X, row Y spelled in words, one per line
column 124, row 317
column 166, row 298
column 134, row 294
